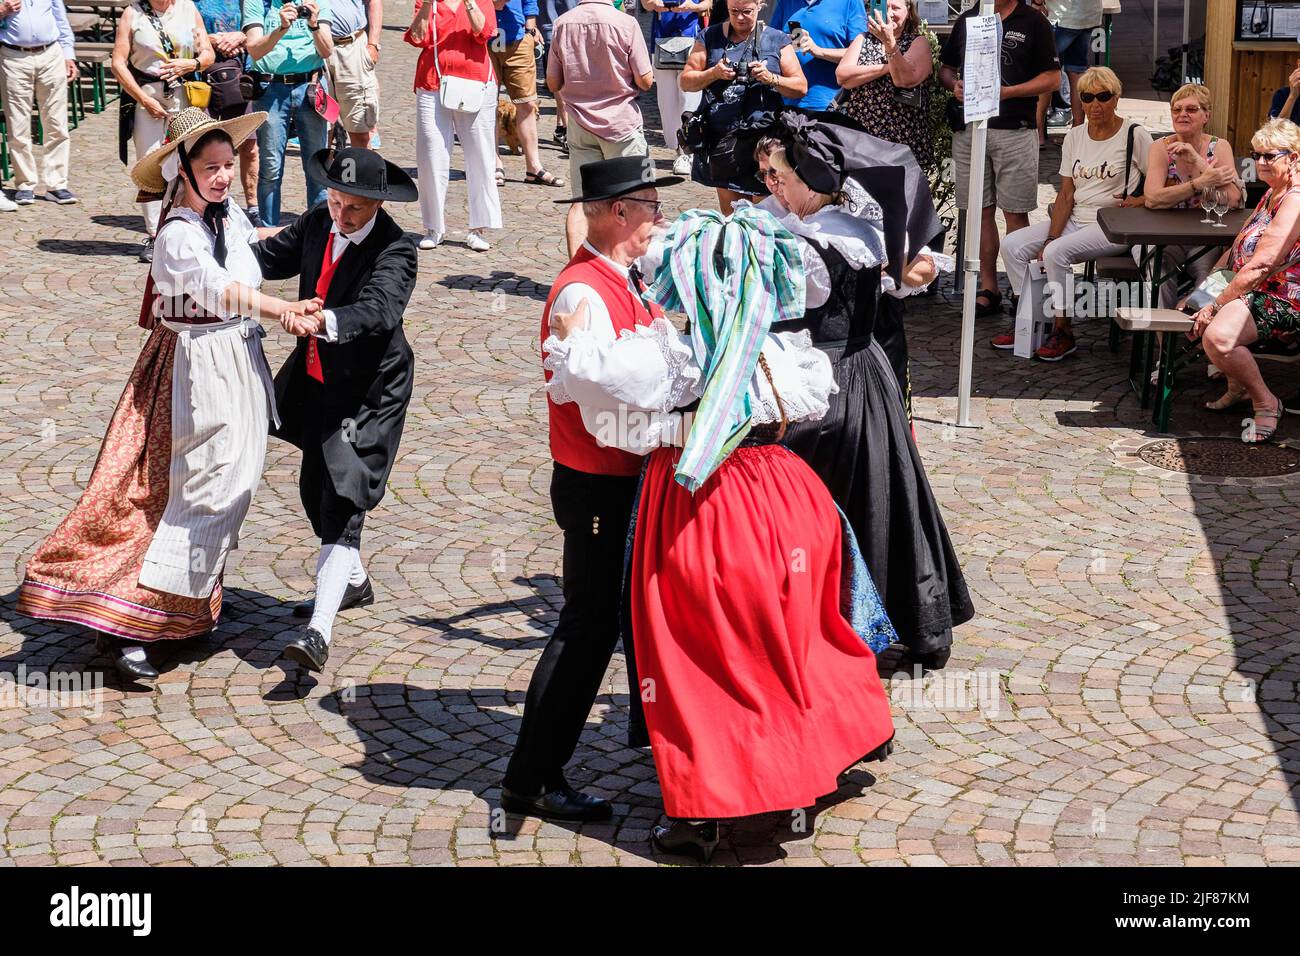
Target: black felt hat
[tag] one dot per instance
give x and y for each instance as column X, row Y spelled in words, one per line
column 609, row 178
column 362, row 172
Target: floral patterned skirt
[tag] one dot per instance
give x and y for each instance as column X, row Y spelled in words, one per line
column 87, row 572
column 1274, row 315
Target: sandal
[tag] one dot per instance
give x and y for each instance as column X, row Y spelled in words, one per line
column 986, row 310
column 1256, row 435
column 1229, row 400
column 501, row 177
column 542, row 178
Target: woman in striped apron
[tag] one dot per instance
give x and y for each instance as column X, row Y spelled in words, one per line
column 140, row 558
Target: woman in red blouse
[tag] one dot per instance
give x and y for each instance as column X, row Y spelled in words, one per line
column 453, row 36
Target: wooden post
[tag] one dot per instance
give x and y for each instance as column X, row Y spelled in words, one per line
column 1220, row 28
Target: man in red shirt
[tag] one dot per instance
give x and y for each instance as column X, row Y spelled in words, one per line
column 592, row 488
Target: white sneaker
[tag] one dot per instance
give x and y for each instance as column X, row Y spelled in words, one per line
column 476, row 242
column 682, row 164
column 431, row 240
column 7, row 204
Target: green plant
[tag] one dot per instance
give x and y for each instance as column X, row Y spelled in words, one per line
column 943, row 184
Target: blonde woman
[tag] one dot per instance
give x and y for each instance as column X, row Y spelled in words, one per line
column 1184, row 167
column 1098, row 169
column 1263, row 299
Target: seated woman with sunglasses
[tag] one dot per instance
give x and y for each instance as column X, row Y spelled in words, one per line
column 1097, row 170
column 1263, row 299
column 1195, row 164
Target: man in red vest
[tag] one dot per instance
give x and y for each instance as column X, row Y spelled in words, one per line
column 342, row 394
column 592, row 488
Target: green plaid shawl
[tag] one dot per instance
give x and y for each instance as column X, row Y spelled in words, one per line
column 732, row 278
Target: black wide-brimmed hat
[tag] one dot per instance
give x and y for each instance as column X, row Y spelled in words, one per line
column 610, row 178
column 362, row 172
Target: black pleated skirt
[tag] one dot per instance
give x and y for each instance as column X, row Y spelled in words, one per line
column 864, row 451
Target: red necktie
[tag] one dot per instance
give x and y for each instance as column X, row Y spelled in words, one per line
column 327, row 267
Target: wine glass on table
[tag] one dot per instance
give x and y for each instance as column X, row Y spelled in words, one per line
column 1207, row 206
column 1220, row 207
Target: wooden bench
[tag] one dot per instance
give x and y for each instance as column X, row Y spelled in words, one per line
column 97, row 56
column 1145, row 324
column 1116, row 268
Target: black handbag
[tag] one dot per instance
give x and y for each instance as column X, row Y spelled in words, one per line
column 226, row 77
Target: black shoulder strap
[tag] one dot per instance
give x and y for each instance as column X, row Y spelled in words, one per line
column 1128, row 163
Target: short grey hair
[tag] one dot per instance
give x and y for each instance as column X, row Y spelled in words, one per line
column 597, row 207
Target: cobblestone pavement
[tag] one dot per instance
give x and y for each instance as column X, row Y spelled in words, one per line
column 1127, row 694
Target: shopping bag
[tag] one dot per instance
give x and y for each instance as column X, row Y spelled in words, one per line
column 1032, row 325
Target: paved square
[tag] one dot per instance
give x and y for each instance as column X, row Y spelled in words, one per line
column 1126, row 695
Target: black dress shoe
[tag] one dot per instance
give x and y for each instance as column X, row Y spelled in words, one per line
column 356, row 595
column 930, row 660
column 881, row 753
column 308, row 649
column 683, row 836
column 135, row 670
column 561, row 803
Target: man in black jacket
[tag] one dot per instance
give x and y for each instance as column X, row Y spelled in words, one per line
column 342, row 394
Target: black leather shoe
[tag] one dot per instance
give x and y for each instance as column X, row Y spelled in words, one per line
column 929, row 661
column 683, row 836
column 356, row 595
column 561, row 803
column 135, row 670
column 308, row 649
column 881, row 753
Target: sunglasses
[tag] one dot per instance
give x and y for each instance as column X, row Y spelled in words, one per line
column 770, row 175
column 1272, row 157
column 1105, row 96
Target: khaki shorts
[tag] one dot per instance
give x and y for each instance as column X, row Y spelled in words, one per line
column 1010, row 171
column 516, row 69
column 354, row 84
column 586, row 147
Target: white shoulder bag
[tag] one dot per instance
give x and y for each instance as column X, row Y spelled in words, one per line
column 456, row 92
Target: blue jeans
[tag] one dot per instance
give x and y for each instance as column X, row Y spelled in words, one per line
column 282, row 101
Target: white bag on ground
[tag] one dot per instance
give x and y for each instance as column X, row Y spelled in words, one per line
column 1032, row 325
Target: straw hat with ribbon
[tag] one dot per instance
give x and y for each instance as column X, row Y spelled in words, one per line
column 186, row 127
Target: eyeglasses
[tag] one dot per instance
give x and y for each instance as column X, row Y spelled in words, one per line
column 1105, row 96
column 770, row 175
column 1272, row 157
column 658, row 204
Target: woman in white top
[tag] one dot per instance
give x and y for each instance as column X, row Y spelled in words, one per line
column 141, row 556
column 158, row 42
column 1102, row 163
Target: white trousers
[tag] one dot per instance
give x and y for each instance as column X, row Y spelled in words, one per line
column 1077, row 243
column 147, row 136
column 434, row 127
column 42, row 77
column 672, row 103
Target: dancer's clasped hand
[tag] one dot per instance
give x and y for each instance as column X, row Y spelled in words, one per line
column 304, row 317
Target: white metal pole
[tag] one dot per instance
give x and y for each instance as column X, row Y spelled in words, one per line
column 974, row 220
column 1155, row 31
column 1187, row 16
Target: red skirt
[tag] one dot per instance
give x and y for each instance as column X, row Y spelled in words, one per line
column 757, row 692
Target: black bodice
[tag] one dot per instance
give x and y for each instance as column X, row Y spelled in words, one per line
column 850, row 312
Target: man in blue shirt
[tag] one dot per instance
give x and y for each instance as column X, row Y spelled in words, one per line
column 514, row 60
column 37, row 63
column 825, row 30
column 288, row 54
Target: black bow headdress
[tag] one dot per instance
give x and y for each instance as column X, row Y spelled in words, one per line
column 214, row 213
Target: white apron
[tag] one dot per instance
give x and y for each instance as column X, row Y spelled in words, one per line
column 222, row 398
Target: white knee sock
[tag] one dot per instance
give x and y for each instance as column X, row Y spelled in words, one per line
column 133, row 652
column 336, row 566
column 358, row 576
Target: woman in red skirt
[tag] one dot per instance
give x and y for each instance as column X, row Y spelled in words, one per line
column 757, row 690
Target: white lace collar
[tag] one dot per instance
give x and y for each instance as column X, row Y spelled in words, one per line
column 852, row 228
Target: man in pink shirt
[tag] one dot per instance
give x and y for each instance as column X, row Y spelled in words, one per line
column 600, row 63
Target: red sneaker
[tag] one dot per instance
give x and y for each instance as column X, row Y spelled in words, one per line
column 1007, row 340
column 1057, row 347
